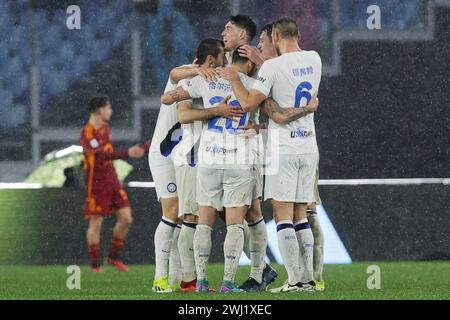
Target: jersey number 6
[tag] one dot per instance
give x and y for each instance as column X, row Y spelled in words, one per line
column 302, row 91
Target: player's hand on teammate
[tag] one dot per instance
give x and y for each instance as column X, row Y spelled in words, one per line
column 250, row 129
column 209, row 74
column 313, row 104
column 136, row 151
column 223, row 109
column 251, row 53
column 228, row 73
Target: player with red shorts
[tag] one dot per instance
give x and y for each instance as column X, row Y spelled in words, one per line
column 104, row 192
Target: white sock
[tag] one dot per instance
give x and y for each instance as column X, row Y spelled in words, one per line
column 163, row 243
column 318, row 245
column 175, row 270
column 202, row 250
column 288, row 245
column 232, row 250
column 186, row 249
column 306, row 246
column 247, row 240
column 258, row 245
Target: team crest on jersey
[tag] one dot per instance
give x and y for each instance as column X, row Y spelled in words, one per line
column 94, row 143
column 172, row 187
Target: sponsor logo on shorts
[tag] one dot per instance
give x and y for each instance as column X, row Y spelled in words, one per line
column 171, row 187
column 218, row 149
column 300, row 133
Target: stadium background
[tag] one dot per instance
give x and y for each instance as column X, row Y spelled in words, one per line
column 383, row 114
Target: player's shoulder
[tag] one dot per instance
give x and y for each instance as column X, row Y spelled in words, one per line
column 271, row 62
column 88, row 131
column 106, row 127
column 312, row 54
column 195, row 81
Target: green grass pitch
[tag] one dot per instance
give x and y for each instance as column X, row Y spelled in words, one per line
column 399, row 280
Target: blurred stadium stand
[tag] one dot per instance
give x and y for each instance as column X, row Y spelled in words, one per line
column 125, row 49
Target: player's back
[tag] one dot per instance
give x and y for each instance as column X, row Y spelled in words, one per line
column 296, row 79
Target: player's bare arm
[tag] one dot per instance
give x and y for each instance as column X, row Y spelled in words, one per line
column 285, row 115
column 249, row 100
column 188, row 114
column 185, row 72
column 136, row 151
column 176, row 95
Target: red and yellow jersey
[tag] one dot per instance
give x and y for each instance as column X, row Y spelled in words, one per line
column 98, row 159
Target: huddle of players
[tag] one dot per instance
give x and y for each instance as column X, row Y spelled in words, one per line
column 207, row 155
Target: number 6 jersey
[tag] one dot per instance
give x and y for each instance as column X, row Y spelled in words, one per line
column 291, row 79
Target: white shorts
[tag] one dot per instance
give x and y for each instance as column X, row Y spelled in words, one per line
column 295, row 179
column 187, row 190
column 163, row 172
column 229, row 188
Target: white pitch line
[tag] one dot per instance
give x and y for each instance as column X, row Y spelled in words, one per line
column 322, row 182
column 20, row 185
column 394, row 182
column 348, row 182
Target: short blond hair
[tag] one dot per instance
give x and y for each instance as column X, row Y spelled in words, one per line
column 287, row 27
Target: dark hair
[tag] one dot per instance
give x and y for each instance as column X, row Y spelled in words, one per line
column 287, row 27
column 208, row 47
column 268, row 29
column 237, row 58
column 98, row 101
column 244, row 22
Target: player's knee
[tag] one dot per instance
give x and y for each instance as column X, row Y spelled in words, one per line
column 190, row 218
column 127, row 219
column 95, row 221
column 124, row 217
column 254, row 214
column 170, row 208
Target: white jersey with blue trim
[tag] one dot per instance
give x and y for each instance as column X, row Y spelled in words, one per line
column 183, row 153
column 221, row 145
column 167, row 118
column 291, row 79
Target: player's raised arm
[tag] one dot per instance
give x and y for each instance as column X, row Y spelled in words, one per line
column 185, row 72
column 253, row 54
column 286, row 115
column 249, row 101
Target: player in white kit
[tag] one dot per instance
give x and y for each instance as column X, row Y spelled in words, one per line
column 210, row 54
column 163, row 174
column 225, row 176
column 238, row 33
column 167, row 135
column 293, row 78
column 265, row 51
